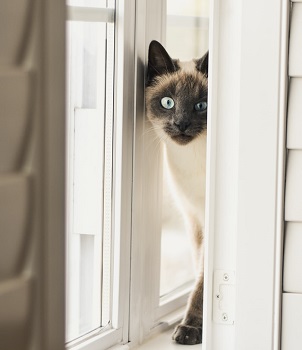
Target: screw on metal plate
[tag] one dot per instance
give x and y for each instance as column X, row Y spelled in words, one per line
column 224, row 317
column 226, row 277
column 224, row 297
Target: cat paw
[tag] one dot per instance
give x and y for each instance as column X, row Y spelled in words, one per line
column 184, row 334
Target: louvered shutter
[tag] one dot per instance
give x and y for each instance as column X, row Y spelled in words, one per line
column 292, row 279
column 31, row 174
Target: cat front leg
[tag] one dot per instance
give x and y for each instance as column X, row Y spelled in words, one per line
column 189, row 331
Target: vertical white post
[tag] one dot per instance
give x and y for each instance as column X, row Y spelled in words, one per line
column 147, row 196
column 222, row 158
column 245, row 171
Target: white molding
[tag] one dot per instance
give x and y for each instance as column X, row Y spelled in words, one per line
column 247, row 98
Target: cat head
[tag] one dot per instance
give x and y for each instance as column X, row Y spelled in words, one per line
column 176, row 95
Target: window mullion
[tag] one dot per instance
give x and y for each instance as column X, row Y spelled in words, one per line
column 108, row 161
column 90, row 14
column 145, row 269
column 122, row 163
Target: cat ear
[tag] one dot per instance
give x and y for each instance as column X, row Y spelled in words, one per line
column 202, row 64
column 159, row 61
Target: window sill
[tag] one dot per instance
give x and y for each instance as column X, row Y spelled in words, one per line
column 160, row 341
column 163, row 341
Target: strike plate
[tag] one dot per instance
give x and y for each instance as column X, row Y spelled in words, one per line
column 224, row 297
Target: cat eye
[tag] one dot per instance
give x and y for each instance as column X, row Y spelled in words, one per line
column 201, row 106
column 167, row 102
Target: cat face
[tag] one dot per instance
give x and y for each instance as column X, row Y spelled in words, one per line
column 176, row 95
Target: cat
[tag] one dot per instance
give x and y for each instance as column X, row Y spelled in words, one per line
column 176, row 105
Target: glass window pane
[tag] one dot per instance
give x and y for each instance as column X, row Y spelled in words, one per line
column 90, row 64
column 185, row 19
column 187, row 28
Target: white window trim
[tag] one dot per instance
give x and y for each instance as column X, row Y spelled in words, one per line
column 122, row 204
column 244, row 208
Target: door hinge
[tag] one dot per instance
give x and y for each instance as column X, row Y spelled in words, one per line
column 224, row 297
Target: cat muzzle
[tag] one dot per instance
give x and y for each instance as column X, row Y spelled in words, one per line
column 182, row 125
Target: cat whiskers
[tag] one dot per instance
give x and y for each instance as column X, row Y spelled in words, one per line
column 154, row 137
column 160, row 141
column 151, row 129
column 163, row 138
column 151, row 133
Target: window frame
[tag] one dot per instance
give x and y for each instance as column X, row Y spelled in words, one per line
column 136, row 233
column 74, row 232
column 102, row 339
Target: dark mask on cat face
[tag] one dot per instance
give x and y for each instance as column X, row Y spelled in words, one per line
column 176, row 95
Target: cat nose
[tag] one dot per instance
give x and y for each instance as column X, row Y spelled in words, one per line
column 182, row 125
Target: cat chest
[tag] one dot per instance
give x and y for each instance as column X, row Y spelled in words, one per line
column 191, row 182
column 187, row 172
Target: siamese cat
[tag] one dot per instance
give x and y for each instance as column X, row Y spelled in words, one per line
column 176, row 105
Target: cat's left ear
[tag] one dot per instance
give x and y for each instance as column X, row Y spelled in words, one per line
column 202, row 64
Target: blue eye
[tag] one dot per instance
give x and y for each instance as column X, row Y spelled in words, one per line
column 167, row 102
column 201, row 106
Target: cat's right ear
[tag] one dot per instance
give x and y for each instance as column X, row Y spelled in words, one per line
column 159, row 61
